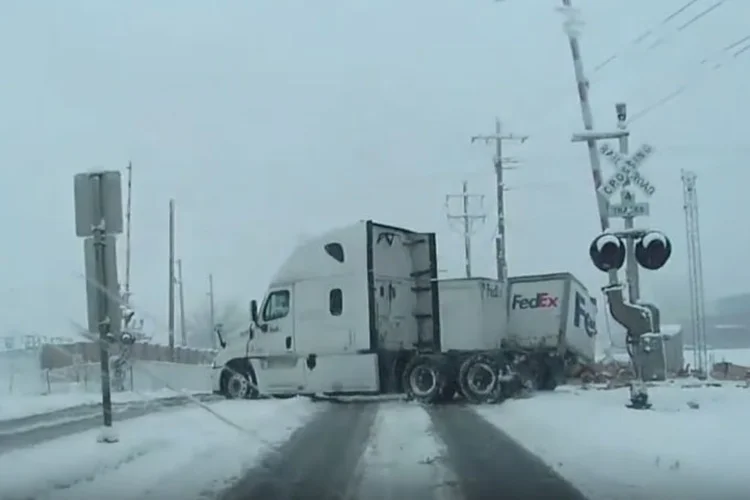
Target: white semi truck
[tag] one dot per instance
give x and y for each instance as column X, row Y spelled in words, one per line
column 360, row 310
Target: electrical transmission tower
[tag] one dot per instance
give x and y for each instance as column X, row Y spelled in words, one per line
column 498, row 138
column 467, row 218
column 695, row 263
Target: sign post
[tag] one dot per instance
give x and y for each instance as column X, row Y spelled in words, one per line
column 627, row 175
column 98, row 215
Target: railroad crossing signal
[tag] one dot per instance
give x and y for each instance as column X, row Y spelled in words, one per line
column 628, row 206
column 627, row 171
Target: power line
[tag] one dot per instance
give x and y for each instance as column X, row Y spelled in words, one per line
column 631, row 46
column 719, row 60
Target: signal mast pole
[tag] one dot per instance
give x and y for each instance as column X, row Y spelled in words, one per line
column 498, row 138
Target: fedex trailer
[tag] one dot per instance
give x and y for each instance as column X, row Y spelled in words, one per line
column 551, row 325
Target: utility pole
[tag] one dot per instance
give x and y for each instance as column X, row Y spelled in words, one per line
column 467, row 218
column 171, row 279
column 126, row 298
column 211, row 309
column 498, row 138
column 183, row 332
column 695, row 273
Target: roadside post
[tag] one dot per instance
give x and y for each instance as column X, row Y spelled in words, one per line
column 98, row 218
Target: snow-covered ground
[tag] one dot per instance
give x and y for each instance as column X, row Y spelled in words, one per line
column 19, row 406
column 402, row 437
column 32, row 391
column 183, row 454
column 736, row 356
column 614, row 453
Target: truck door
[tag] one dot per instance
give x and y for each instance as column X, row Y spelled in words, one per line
column 384, row 294
column 330, row 322
column 274, row 352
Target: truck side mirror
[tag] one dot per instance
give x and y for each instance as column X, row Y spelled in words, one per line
column 254, row 311
column 653, row 250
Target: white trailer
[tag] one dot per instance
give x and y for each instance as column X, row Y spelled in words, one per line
column 552, row 321
column 359, row 310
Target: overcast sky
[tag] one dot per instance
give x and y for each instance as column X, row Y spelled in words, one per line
column 270, row 120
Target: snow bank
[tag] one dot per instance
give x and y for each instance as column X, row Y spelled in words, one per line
column 185, row 454
column 402, row 449
column 35, row 392
column 19, row 406
column 26, row 378
column 613, row 453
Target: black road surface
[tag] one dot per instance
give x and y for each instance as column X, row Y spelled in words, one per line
column 28, row 431
column 489, row 464
column 320, row 462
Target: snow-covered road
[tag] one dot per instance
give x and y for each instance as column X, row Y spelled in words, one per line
column 691, row 445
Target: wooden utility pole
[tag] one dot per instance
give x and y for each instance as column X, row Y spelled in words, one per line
column 183, row 332
column 211, row 309
column 467, row 218
column 171, row 279
column 126, row 297
column 498, row 138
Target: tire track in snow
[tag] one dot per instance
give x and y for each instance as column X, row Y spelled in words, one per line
column 490, row 464
column 404, row 459
column 319, row 461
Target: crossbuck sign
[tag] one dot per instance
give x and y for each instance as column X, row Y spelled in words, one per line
column 626, row 170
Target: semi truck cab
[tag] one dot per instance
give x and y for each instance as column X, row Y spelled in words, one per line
column 336, row 315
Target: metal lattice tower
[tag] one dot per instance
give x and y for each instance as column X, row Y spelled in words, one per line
column 695, row 273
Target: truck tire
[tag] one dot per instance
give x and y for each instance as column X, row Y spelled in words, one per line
column 238, row 381
column 425, row 379
column 552, row 371
column 479, row 380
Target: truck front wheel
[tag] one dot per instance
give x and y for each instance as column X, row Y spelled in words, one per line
column 238, row 381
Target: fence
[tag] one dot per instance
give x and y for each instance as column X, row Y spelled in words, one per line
column 24, row 372
column 63, row 355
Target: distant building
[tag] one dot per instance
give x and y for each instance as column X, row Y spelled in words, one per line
column 734, row 307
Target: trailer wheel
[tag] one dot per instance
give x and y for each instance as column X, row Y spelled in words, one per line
column 424, row 379
column 478, row 378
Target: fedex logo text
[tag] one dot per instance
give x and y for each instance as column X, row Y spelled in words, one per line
column 540, row 300
column 581, row 315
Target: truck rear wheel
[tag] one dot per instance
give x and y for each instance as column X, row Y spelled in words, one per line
column 478, row 378
column 424, row 379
